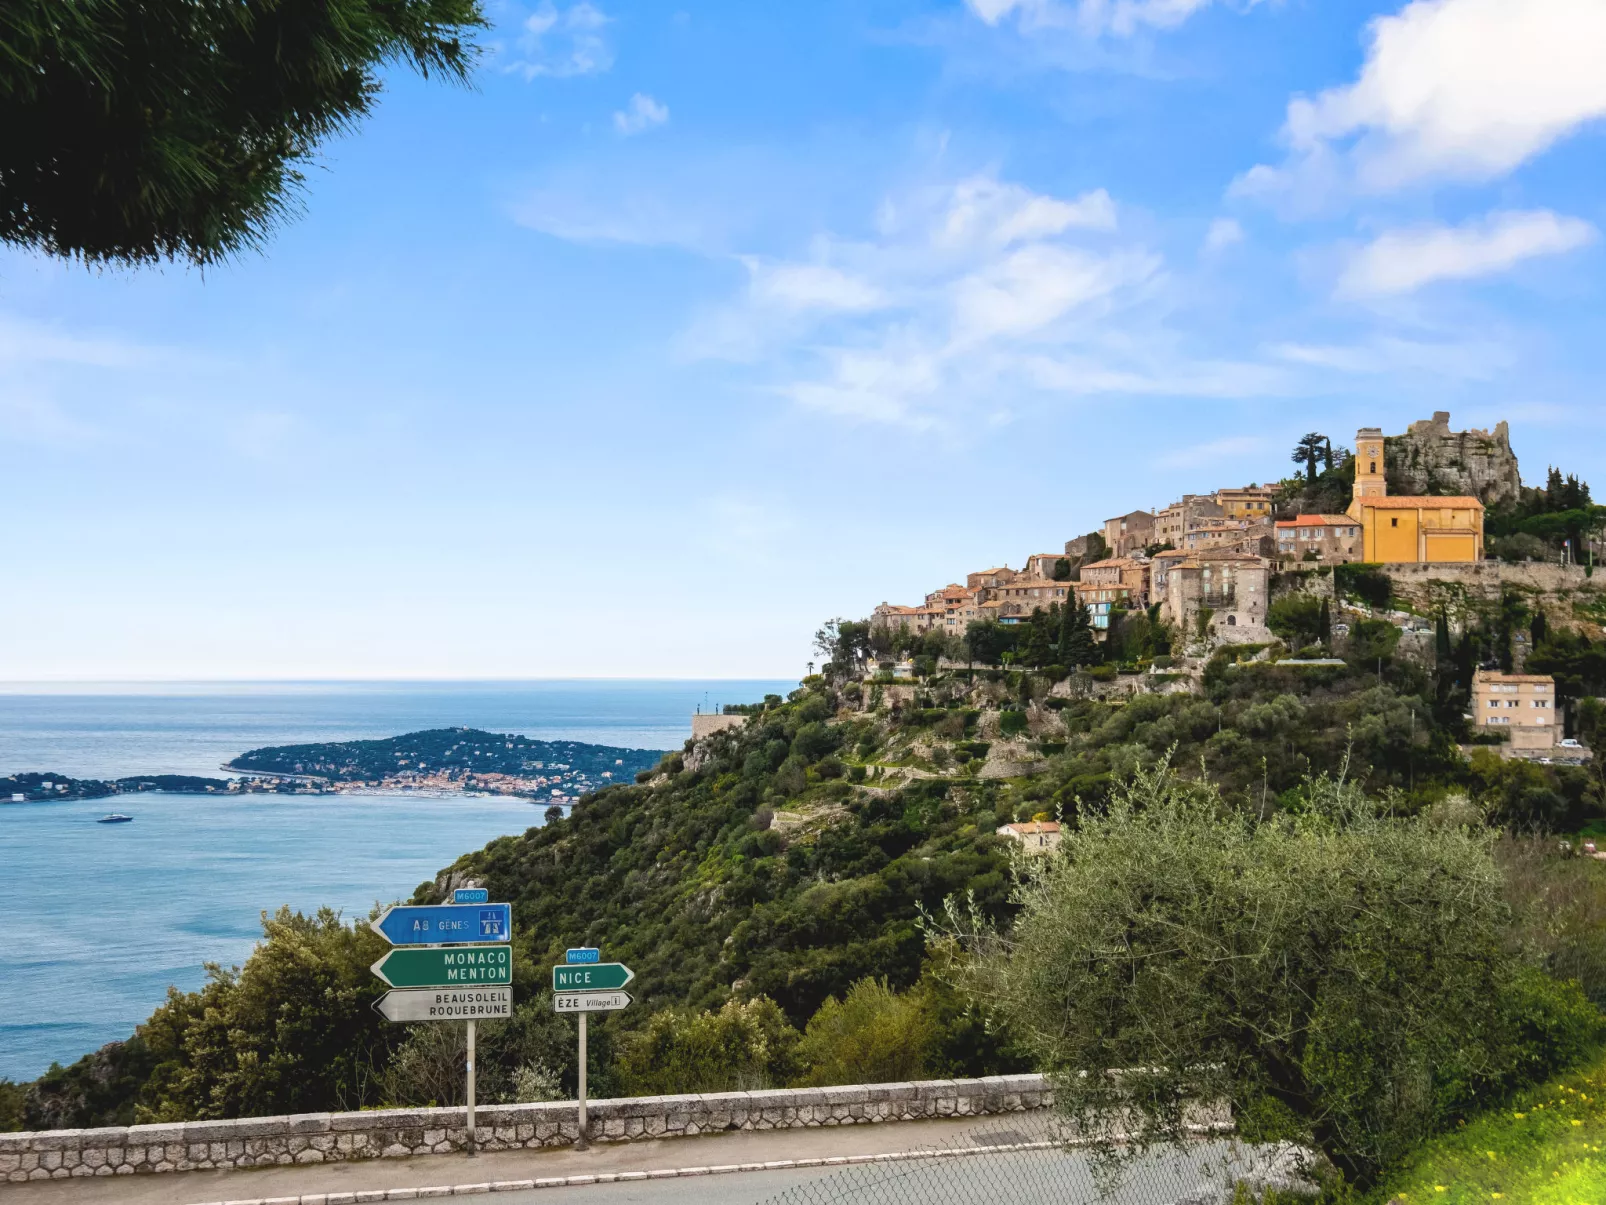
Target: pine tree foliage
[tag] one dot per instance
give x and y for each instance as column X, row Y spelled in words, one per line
column 143, row 130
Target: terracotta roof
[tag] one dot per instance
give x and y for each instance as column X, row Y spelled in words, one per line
column 1489, row 675
column 1424, row 501
column 1318, row 521
column 1027, row 827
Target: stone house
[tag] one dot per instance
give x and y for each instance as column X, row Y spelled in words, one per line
column 989, row 579
column 1100, row 600
column 1176, row 520
column 1232, row 587
column 1034, row 836
column 1131, row 572
column 1160, row 566
column 1521, row 706
column 1128, row 533
column 1043, row 564
column 1330, row 538
column 1032, row 593
column 1250, row 502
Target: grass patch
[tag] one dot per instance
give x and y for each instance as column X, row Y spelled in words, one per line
column 1547, row 1147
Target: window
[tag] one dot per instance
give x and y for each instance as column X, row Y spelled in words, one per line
column 1394, row 522
column 1374, row 467
column 1494, row 702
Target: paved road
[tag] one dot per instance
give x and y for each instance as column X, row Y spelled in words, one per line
column 1005, row 1176
column 1029, row 1177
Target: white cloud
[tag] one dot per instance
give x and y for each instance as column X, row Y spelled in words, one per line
column 970, row 298
column 984, row 210
column 1091, row 17
column 641, row 114
column 811, row 287
column 562, row 42
column 1402, row 261
column 1458, row 89
column 1035, row 286
column 1479, row 359
column 1223, row 233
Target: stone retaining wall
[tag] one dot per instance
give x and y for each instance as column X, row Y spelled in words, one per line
column 396, row 1133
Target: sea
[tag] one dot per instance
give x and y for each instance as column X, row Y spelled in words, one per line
column 102, row 918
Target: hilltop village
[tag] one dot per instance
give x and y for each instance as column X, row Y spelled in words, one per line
column 1396, row 531
column 1216, row 552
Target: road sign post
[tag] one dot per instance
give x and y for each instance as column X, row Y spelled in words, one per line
column 586, row 985
column 451, row 963
column 469, row 1136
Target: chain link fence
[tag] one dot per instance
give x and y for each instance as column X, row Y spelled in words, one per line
column 1031, row 1159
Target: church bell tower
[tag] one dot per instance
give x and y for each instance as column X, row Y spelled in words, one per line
column 1369, row 479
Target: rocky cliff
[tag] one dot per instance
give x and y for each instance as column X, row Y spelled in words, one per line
column 1432, row 459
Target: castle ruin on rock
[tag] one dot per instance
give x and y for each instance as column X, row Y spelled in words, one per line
column 1432, row 459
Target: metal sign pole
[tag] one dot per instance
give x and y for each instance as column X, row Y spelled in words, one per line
column 471, row 1087
column 580, row 1142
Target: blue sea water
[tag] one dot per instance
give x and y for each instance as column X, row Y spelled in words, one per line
column 101, row 918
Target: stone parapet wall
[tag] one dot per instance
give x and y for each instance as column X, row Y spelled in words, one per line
column 706, row 725
column 1569, row 595
column 397, row 1133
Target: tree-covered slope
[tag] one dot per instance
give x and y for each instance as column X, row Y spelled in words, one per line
column 751, row 866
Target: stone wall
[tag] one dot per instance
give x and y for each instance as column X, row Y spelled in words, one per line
column 397, row 1133
column 707, row 725
column 1570, row 597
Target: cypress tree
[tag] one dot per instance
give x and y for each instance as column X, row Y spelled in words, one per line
column 1076, row 640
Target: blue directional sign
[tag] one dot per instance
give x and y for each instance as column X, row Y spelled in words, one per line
column 582, row 954
column 445, row 924
column 471, row 895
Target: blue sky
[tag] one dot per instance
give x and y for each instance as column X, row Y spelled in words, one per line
column 689, row 327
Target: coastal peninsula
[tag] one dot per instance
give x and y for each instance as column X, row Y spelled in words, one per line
column 447, row 760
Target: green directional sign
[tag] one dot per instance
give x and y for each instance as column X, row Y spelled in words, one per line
column 449, row 967
column 597, row 977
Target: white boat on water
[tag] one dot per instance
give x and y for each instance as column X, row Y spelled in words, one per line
column 114, row 818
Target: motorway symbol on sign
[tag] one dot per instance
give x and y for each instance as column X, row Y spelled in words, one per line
column 446, row 1003
column 600, row 977
column 470, row 895
column 582, row 954
column 589, row 1002
column 440, row 924
column 462, row 966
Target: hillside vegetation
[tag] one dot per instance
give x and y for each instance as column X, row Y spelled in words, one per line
column 786, row 890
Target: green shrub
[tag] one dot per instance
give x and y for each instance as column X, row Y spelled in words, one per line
column 1365, row 582
column 1101, row 673
column 873, row 1036
column 1297, row 618
column 1338, row 975
column 742, row 1047
column 1011, row 723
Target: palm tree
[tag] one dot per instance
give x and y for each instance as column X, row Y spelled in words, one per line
column 1310, row 451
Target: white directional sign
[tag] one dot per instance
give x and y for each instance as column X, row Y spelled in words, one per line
column 446, row 1003
column 589, row 1002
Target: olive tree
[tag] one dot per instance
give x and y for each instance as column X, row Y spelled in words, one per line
column 1336, row 974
